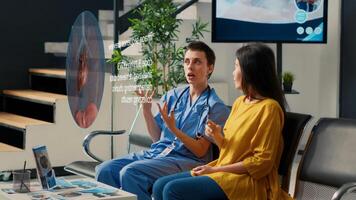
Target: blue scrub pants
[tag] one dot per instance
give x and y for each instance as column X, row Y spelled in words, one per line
column 184, row 186
column 136, row 173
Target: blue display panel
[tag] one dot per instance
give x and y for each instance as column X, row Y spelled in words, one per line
column 294, row 21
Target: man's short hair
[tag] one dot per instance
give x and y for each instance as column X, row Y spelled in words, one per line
column 201, row 46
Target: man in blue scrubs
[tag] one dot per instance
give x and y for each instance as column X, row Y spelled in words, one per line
column 176, row 130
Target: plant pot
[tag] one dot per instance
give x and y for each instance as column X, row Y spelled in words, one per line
column 287, row 87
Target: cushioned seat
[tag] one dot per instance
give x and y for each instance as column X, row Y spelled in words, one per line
column 84, row 168
column 87, row 168
column 329, row 161
column 293, row 129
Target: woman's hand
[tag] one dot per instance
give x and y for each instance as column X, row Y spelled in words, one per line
column 213, row 130
column 147, row 102
column 168, row 119
column 203, row 169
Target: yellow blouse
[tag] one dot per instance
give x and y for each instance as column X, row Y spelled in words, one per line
column 253, row 135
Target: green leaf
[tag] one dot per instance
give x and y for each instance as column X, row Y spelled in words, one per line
column 156, row 16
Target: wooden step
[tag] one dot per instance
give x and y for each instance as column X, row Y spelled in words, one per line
column 56, row 73
column 8, row 148
column 60, row 48
column 35, row 96
column 52, row 80
column 17, row 121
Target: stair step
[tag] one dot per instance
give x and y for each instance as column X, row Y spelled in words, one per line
column 48, row 80
column 32, row 103
column 104, row 15
column 107, row 30
column 8, row 148
column 35, row 96
column 189, row 13
column 55, row 73
column 17, row 121
column 13, row 129
column 57, row 48
column 60, row 49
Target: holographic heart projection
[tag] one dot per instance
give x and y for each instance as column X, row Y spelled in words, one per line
column 85, row 69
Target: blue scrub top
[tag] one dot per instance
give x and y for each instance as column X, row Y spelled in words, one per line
column 190, row 118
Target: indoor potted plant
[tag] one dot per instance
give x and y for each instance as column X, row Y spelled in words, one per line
column 288, row 78
column 157, row 19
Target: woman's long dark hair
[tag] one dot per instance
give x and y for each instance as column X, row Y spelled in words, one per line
column 258, row 68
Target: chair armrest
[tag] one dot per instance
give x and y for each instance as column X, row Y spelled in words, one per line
column 345, row 188
column 90, row 136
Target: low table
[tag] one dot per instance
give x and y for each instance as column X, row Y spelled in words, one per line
column 73, row 189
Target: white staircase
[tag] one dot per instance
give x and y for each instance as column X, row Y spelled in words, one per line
column 62, row 136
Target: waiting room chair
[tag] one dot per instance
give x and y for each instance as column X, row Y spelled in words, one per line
column 87, row 168
column 293, row 129
column 329, row 162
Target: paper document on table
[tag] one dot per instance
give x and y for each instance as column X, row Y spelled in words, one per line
column 76, row 189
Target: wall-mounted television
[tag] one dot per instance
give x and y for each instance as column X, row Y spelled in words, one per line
column 280, row 21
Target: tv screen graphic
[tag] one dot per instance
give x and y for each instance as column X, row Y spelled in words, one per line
column 290, row 21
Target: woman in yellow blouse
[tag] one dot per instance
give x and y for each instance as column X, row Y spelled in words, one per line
column 250, row 144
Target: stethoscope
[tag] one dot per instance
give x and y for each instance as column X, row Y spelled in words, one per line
column 204, row 109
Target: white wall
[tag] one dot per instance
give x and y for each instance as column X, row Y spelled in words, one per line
column 225, row 54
